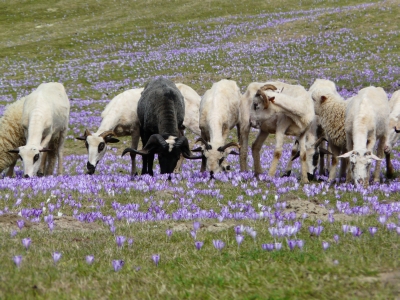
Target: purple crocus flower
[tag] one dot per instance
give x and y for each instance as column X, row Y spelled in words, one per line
column 239, row 239
column 345, row 228
column 198, row 245
column 336, row 238
column 291, row 244
column 89, row 259
column 17, row 260
column 13, row 233
column 373, row 230
column 267, row 247
column 51, row 226
column 398, row 229
column 193, row 234
column 382, row 219
column 218, row 244
column 112, row 229
column 325, row 245
column 168, row 232
column 278, row 246
column 20, row 224
column 253, row 234
column 117, row 264
column 238, row 229
column 56, row 256
column 196, row 226
column 120, row 240
column 355, row 231
column 318, row 230
column 156, row 259
column 300, row 244
column 26, row 242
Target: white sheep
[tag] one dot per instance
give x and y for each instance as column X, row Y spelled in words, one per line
column 394, row 129
column 119, row 118
column 45, row 121
column 367, row 121
column 11, row 135
column 282, row 109
column 192, row 106
column 219, row 113
column 330, row 108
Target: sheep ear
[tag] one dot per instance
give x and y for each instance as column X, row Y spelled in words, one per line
column 345, row 155
column 323, row 99
column 14, row 151
column 45, row 150
column 81, row 138
column 373, row 156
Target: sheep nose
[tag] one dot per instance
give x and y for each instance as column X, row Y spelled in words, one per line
column 90, row 168
column 26, row 176
column 310, row 176
column 228, row 167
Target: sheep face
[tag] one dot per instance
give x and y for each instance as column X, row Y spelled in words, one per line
column 394, row 130
column 31, row 158
column 97, row 148
column 360, row 164
column 259, row 110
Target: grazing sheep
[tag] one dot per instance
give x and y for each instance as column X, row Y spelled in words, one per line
column 219, row 113
column 161, row 111
column 192, row 106
column 11, row 135
column 367, row 121
column 330, row 108
column 282, row 109
column 394, row 129
column 45, row 121
column 119, row 118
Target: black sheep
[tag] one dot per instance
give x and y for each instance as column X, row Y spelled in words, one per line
column 161, row 110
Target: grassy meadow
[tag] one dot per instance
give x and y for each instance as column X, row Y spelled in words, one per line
column 194, row 225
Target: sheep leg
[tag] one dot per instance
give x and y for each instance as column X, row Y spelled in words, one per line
column 255, row 149
column 41, row 170
column 303, row 158
column 288, row 170
column 134, row 145
column 150, row 161
column 389, row 167
column 332, row 172
column 380, row 153
column 178, row 167
column 60, row 153
column 277, row 153
column 204, row 159
column 10, row 171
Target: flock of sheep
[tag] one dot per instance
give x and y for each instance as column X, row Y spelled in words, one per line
column 34, row 127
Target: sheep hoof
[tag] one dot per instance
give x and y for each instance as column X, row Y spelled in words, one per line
column 39, row 174
column 287, row 173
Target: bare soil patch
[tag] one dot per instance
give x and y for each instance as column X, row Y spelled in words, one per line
column 212, row 227
column 9, row 222
column 389, row 279
column 314, row 209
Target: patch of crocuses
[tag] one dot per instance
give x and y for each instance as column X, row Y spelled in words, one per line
column 84, row 197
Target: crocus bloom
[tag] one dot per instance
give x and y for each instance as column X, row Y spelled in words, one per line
column 253, row 234
column 198, row 245
column 278, row 246
column 300, row 244
column 345, row 228
column 267, row 247
column 355, row 231
column 373, row 230
column 238, row 229
column 291, row 244
column 218, row 244
column 26, row 243
column 168, row 232
column 56, row 256
column 13, row 233
column 193, row 234
column 196, row 226
column 156, row 259
column 17, row 260
column 382, row 219
column 51, row 226
column 120, row 240
column 89, row 259
column 239, row 239
column 118, row 264
column 130, row 242
column 398, row 229
column 20, row 223
column 325, row 245
column 336, row 238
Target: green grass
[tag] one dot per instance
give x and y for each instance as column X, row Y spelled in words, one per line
column 39, row 36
